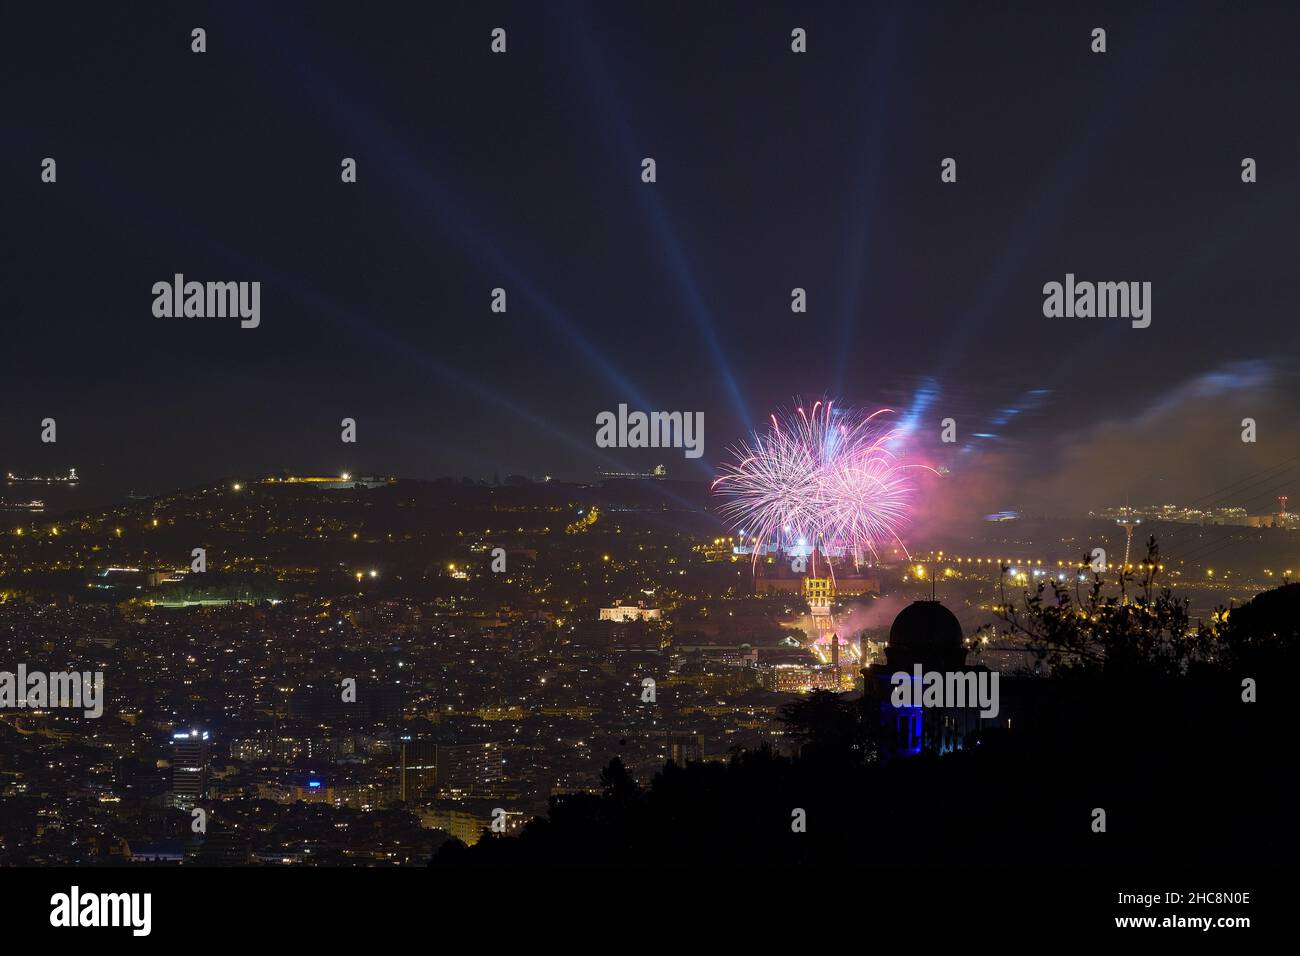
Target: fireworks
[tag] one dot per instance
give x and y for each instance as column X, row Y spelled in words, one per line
column 826, row 479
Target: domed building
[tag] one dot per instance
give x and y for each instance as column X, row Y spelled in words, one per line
column 925, row 646
column 925, row 633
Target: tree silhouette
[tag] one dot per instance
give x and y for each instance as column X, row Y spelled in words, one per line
column 828, row 727
column 1151, row 632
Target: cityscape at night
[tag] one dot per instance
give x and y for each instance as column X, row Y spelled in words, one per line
column 463, row 441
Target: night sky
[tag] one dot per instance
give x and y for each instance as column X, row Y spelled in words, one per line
column 775, row 170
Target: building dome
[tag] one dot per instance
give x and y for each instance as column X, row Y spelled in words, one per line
column 927, row 633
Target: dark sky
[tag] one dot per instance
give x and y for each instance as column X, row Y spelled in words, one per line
column 775, row 170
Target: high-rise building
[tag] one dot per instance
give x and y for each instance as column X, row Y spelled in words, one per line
column 189, row 767
column 683, row 747
column 419, row 770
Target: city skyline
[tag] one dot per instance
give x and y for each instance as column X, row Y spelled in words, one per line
column 462, row 440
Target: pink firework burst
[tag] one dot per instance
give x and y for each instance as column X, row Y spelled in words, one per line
column 827, row 479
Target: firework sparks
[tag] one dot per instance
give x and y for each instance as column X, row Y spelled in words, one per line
column 826, row 479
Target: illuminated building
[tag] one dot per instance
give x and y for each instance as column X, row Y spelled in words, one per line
column 71, row 478
column 481, row 771
column 250, row 749
column 189, row 767
column 465, row 826
column 418, row 766
column 779, row 577
column 1282, row 518
column 330, row 482
column 625, row 612
column 927, row 634
column 684, row 747
column 658, row 472
column 799, row 678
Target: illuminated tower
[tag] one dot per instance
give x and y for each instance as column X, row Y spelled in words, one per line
column 820, row 593
column 1128, row 524
column 189, row 760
